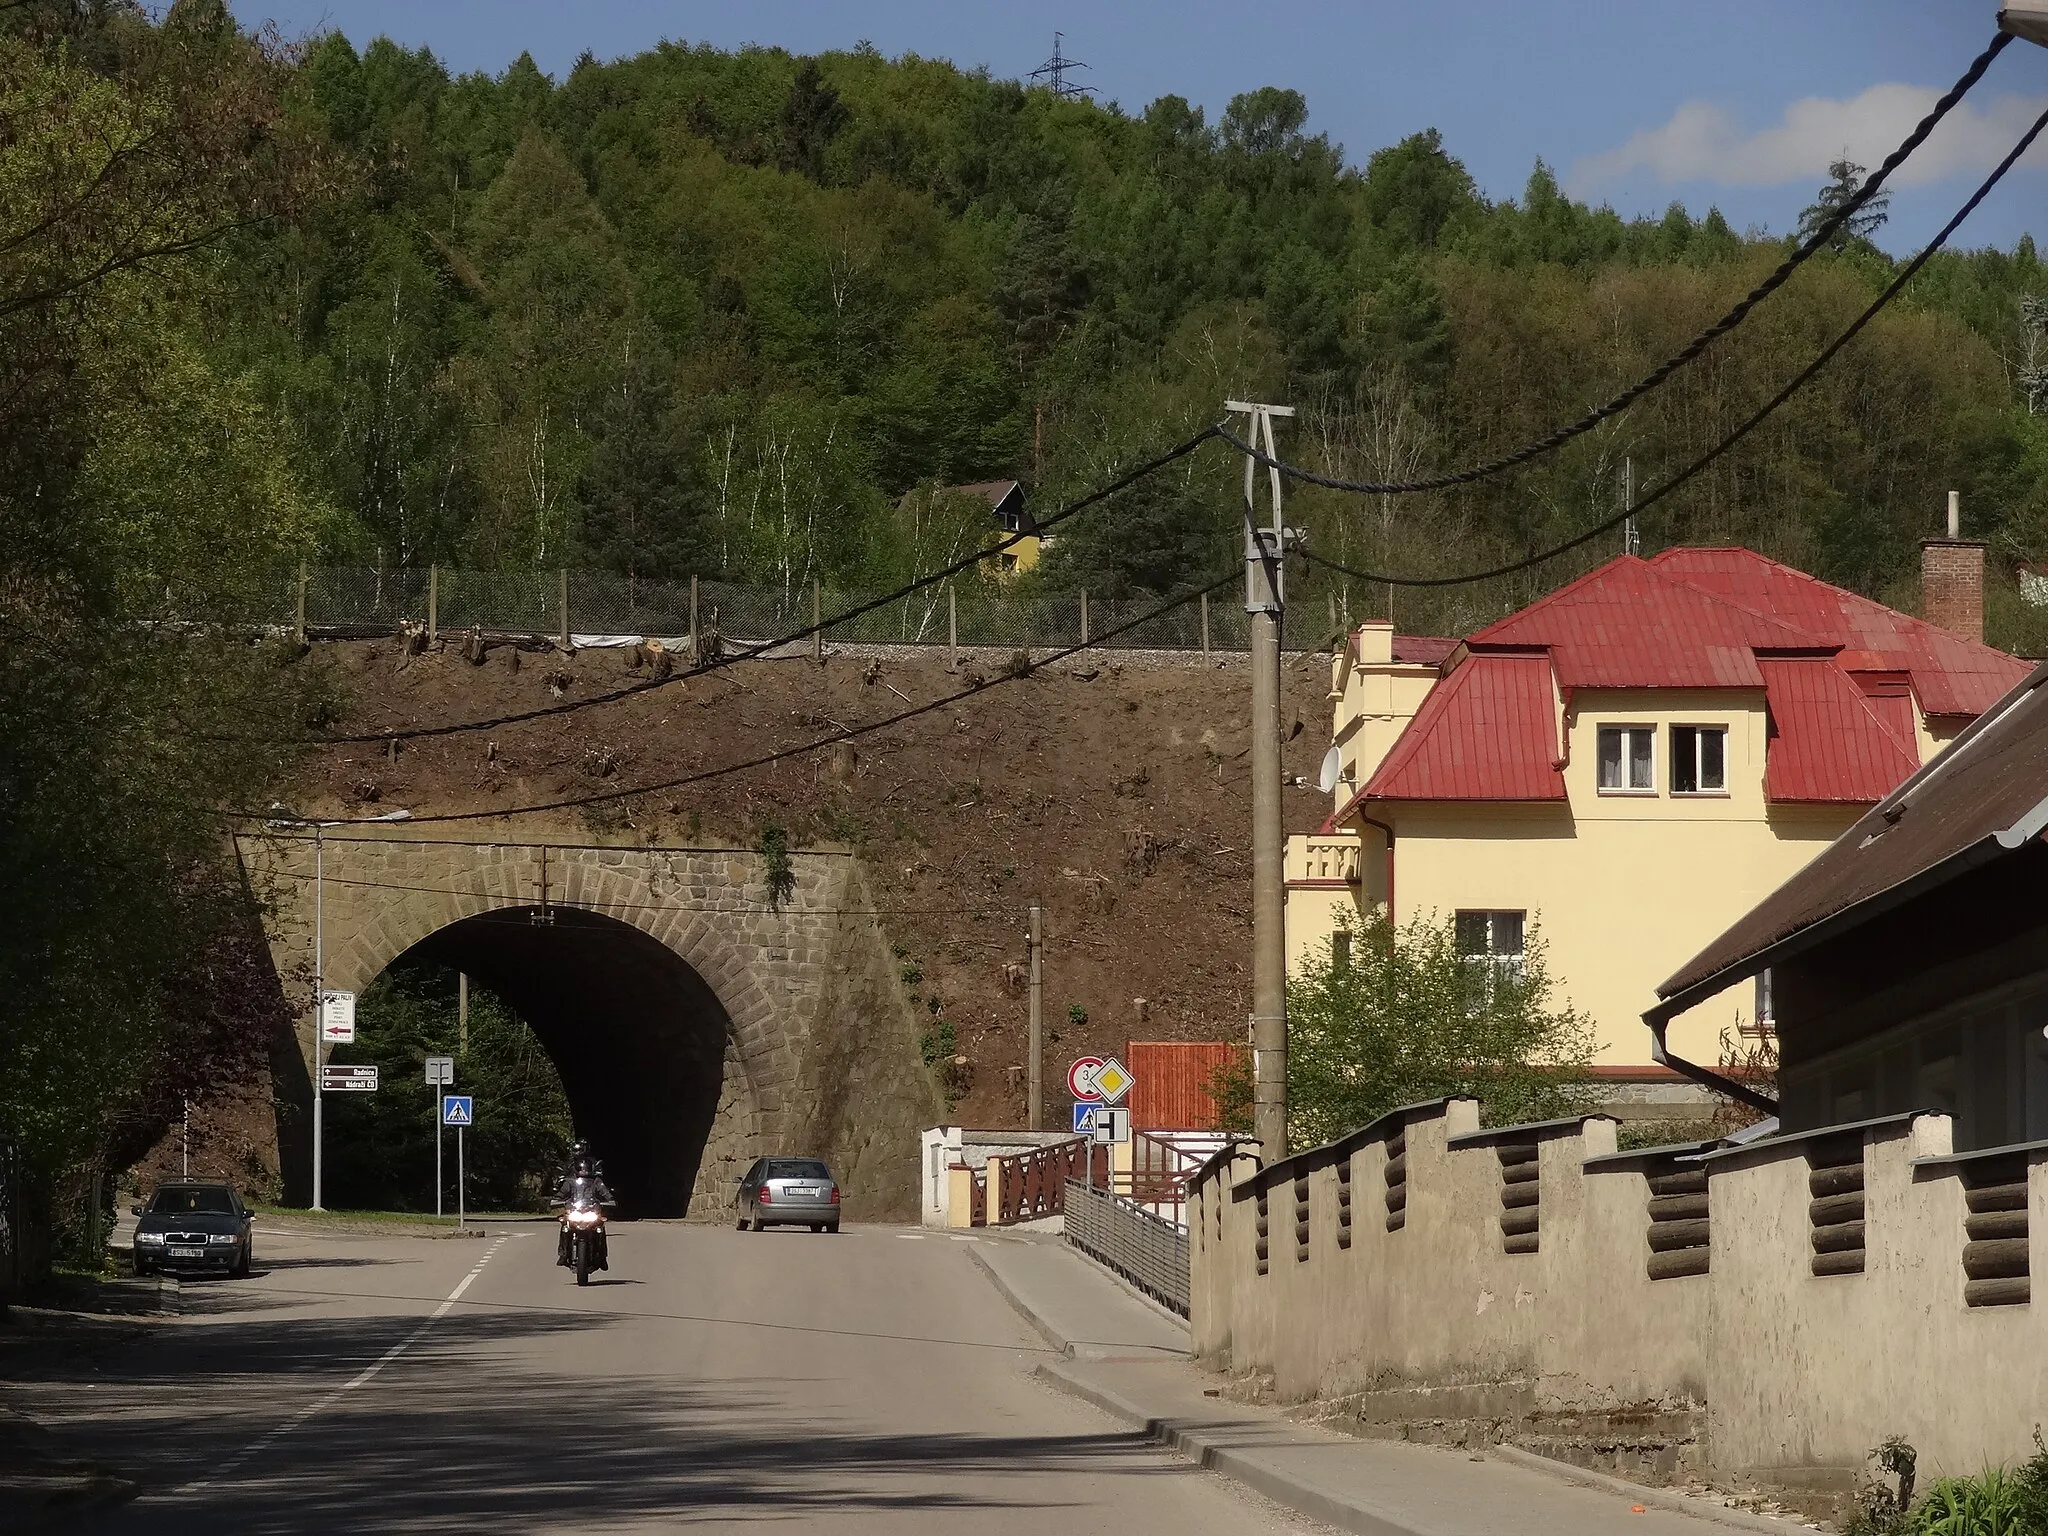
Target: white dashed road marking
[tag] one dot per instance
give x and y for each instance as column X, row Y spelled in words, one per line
column 228, row 1468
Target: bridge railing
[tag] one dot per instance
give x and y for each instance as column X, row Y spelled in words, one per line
column 1124, row 1237
column 1034, row 1184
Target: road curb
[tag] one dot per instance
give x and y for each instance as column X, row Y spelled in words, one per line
column 1640, row 1493
column 1038, row 1324
column 1206, row 1452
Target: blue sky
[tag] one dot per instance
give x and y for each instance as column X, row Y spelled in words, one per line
column 1739, row 103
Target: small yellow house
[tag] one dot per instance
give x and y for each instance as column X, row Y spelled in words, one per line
column 1633, row 762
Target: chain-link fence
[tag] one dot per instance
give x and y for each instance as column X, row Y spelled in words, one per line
column 591, row 605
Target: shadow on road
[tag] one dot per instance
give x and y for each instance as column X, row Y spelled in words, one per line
column 462, row 1433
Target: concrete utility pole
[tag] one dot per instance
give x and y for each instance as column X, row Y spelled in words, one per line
column 1035, row 1070
column 1265, row 599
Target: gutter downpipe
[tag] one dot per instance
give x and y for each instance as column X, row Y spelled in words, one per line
column 1389, row 831
column 2030, row 826
column 1661, row 1054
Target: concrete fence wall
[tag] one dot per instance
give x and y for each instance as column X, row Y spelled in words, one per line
column 1769, row 1311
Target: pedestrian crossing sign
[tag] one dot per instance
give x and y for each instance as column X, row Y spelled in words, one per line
column 455, row 1109
column 1084, row 1119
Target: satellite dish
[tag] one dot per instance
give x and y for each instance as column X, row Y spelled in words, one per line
column 1333, row 764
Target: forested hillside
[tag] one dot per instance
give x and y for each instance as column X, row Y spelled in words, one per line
column 735, row 315
column 712, row 312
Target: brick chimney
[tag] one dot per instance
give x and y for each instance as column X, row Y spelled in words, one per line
column 1952, row 578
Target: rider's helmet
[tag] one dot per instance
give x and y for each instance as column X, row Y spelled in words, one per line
column 579, row 1152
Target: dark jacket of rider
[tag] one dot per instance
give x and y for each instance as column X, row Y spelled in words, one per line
column 583, row 1185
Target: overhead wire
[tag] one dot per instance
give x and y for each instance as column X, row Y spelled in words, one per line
column 1798, row 382
column 748, row 653
column 1821, row 235
column 766, row 759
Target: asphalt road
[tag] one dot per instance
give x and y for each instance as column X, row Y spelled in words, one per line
column 869, row 1382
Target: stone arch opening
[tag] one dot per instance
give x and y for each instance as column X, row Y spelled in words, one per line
column 639, row 1038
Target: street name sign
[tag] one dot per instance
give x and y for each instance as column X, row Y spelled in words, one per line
column 455, row 1109
column 335, row 1079
column 440, row 1070
column 338, row 1018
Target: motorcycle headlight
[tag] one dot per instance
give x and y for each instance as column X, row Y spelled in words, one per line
column 146, row 1238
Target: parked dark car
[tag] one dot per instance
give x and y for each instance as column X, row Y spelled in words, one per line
column 789, row 1192
column 194, row 1225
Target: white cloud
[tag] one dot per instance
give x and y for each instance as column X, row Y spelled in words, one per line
column 1704, row 142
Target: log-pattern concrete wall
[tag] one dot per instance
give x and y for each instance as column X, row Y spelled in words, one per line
column 1786, row 1374
column 805, row 988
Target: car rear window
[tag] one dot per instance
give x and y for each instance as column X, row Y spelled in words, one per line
column 187, row 1202
column 796, row 1168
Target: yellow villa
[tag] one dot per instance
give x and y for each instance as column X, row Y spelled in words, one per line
column 1632, row 762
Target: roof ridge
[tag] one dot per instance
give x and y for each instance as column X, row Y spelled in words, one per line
column 1850, row 594
column 1650, row 568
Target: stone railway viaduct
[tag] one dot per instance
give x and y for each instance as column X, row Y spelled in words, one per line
column 695, row 1024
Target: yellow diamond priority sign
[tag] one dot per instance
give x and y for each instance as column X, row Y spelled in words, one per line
column 1113, row 1081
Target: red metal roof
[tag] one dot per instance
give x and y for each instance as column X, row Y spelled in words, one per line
column 1828, row 744
column 1486, row 732
column 1628, row 625
column 1840, row 673
column 1951, row 675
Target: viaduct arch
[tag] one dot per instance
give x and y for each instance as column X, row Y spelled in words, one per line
column 695, row 1024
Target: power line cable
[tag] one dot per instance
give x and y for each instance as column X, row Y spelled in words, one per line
column 1797, row 383
column 605, row 797
column 717, row 663
column 1657, row 376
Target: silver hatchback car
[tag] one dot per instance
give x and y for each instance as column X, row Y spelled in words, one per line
column 789, row 1192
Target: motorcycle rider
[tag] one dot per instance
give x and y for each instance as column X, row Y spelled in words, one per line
column 583, row 1181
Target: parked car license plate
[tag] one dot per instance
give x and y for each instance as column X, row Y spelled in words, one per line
column 187, row 1253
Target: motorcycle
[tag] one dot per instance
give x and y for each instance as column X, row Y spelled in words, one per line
column 583, row 1238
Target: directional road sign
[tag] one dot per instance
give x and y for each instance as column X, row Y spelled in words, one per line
column 440, row 1070
column 455, row 1109
column 335, row 1079
column 338, row 1018
column 1081, row 1079
column 1112, row 1081
column 1111, row 1125
column 1084, row 1119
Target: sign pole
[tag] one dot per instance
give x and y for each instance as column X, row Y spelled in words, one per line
column 319, row 1001
column 437, row 1159
column 461, row 1209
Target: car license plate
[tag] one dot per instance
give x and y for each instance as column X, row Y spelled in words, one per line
column 188, row 1253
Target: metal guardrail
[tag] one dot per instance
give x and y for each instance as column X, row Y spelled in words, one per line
column 1150, row 1253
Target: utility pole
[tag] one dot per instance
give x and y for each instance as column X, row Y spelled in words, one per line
column 1035, row 1070
column 462, row 1013
column 319, row 1001
column 1265, row 550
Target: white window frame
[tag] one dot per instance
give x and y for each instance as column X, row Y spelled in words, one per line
column 1626, row 728
column 1497, row 961
column 1699, row 729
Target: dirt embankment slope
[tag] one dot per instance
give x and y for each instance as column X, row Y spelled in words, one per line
column 1117, row 793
